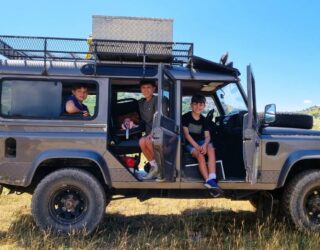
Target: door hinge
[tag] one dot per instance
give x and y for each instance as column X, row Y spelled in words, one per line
column 177, row 129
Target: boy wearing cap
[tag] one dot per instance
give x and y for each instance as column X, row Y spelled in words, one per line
column 196, row 133
column 147, row 107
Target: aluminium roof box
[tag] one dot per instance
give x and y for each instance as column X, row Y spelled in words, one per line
column 158, row 32
column 132, row 28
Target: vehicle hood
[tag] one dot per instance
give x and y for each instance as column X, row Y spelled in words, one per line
column 289, row 131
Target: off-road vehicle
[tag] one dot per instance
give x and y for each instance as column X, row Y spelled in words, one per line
column 75, row 165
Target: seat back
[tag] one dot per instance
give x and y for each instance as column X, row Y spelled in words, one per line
column 125, row 143
column 124, row 108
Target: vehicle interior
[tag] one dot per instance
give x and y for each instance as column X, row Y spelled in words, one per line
column 224, row 112
column 124, row 143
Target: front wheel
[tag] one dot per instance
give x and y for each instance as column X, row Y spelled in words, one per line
column 69, row 200
column 302, row 200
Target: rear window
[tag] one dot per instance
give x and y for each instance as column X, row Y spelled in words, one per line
column 42, row 99
column 125, row 95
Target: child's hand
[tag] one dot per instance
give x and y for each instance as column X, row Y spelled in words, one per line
column 85, row 113
column 203, row 149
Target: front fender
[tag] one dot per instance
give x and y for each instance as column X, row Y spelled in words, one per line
column 293, row 159
column 69, row 153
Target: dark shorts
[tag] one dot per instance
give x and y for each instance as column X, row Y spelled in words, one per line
column 189, row 147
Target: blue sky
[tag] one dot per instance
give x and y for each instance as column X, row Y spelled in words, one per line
column 280, row 39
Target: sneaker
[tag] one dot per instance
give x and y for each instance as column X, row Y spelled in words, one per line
column 147, row 167
column 211, row 184
column 160, row 179
column 153, row 173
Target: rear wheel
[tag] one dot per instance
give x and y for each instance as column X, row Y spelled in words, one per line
column 69, row 200
column 302, row 200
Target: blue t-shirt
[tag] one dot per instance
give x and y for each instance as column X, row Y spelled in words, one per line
column 78, row 104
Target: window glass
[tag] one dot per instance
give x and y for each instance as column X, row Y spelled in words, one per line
column 90, row 102
column 231, row 99
column 42, row 99
column 70, row 92
column 125, row 95
column 168, row 100
column 21, row 98
column 210, row 105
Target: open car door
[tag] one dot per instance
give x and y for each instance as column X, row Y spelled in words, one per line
column 165, row 128
column 251, row 141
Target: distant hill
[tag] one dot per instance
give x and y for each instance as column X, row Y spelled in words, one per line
column 315, row 112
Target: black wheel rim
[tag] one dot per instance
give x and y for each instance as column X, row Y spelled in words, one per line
column 68, row 205
column 312, row 205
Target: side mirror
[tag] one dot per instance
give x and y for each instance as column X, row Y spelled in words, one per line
column 269, row 113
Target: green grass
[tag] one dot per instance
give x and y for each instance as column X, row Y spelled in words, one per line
column 91, row 103
column 158, row 224
column 315, row 112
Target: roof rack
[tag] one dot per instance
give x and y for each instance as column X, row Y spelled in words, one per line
column 74, row 49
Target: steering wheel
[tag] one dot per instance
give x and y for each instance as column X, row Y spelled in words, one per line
column 209, row 116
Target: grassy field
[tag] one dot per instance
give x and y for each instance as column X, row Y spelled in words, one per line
column 158, row 224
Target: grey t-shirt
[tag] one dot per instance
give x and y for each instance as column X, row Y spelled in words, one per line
column 147, row 110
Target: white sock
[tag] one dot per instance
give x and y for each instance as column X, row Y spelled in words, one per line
column 212, row 176
column 153, row 163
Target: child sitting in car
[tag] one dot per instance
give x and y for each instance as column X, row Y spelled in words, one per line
column 196, row 133
column 74, row 104
column 128, row 124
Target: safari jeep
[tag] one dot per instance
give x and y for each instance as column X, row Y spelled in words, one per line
column 75, row 165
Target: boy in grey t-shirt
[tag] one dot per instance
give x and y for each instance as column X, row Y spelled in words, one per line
column 147, row 110
column 147, row 107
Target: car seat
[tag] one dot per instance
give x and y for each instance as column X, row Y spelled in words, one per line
column 125, row 141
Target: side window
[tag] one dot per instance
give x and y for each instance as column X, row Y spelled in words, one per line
column 91, row 103
column 210, row 105
column 125, row 95
column 42, row 99
column 36, row 99
column 70, row 92
column 168, row 100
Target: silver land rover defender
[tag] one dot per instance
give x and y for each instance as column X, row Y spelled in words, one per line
column 73, row 165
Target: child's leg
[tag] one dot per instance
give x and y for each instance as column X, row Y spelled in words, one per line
column 202, row 163
column 145, row 143
column 211, row 159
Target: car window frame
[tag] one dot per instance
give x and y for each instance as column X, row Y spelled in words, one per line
column 61, row 117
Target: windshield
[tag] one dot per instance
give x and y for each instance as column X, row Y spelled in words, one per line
column 231, row 99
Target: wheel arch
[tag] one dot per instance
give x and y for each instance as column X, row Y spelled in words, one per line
column 298, row 162
column 51, row 160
